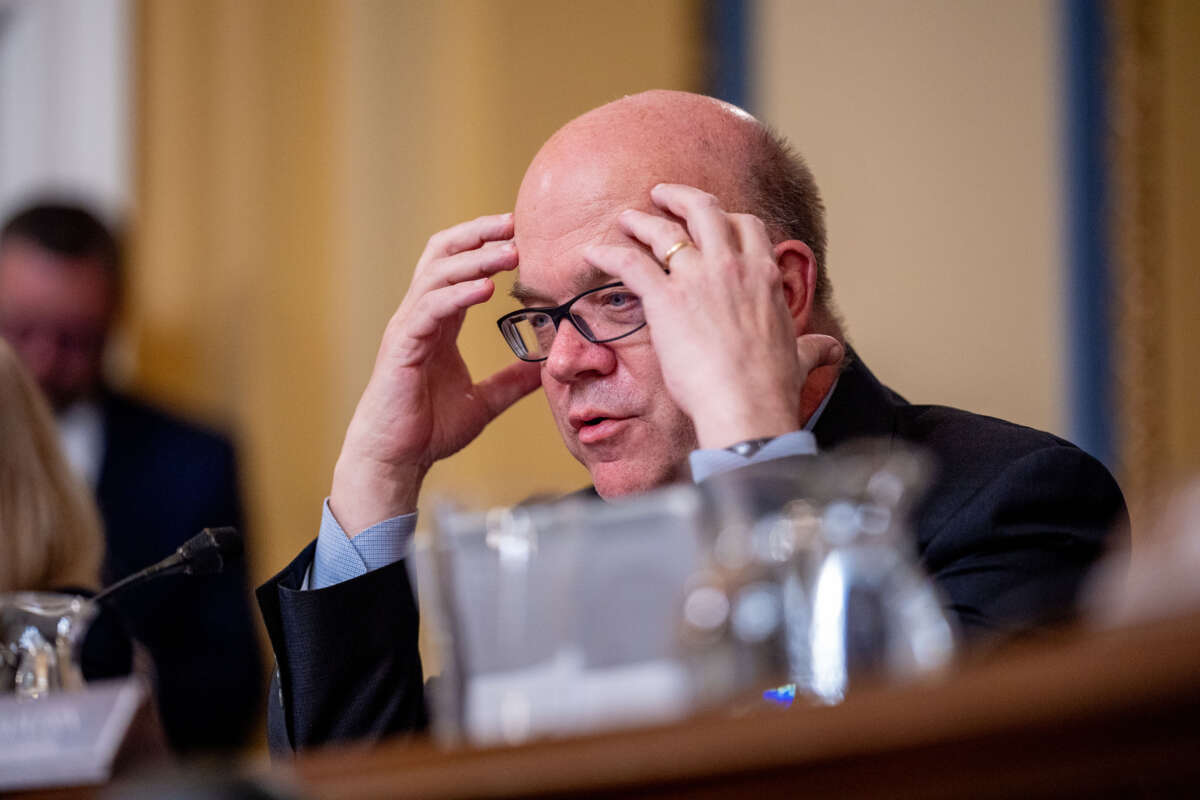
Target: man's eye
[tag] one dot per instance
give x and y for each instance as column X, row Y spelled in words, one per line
column 619, row 300
column 539, row 320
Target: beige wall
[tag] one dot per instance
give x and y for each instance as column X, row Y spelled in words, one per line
column 932, row 127
column 292, row 159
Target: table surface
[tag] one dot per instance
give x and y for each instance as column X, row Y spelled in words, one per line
column 1103, row 713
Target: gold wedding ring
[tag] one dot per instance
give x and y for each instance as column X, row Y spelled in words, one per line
column 672, row 250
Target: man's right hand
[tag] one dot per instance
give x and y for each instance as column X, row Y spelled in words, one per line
column 421, row 404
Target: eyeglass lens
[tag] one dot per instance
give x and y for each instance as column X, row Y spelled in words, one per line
column 600, row 315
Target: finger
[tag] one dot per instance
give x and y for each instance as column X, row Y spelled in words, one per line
column 630, row 265
column 440, row 304
column 818, row 350
column 658, row 233
column 706, row 221
column 468, row 235
column 470, row 265
column 753, row 238
column 509, row 385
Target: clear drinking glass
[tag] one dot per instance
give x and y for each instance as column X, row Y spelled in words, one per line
column 41, row 636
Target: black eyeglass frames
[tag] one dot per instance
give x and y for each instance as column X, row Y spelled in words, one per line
column 603, row 314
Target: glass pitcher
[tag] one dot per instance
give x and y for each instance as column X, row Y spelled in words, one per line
column 824, row 548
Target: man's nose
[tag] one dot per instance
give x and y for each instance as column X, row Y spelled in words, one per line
column 573, row 357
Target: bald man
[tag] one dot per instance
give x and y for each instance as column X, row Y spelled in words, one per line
column 676, row 313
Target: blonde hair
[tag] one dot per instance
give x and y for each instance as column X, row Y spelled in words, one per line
column 50, row 533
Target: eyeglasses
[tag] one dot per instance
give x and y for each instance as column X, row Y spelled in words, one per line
column 603, row 314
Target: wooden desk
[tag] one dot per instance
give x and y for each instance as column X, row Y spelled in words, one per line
column 1108, row 713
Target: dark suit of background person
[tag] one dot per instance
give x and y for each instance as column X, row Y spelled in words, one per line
column 162, row 480
column 1014, row 521
column 158, row 478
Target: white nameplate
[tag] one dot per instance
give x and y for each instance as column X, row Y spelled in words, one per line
column 65, row 739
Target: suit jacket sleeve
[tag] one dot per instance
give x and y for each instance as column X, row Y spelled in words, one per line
column 347, row 664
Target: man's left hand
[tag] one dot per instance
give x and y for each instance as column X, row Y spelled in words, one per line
column 719, row 321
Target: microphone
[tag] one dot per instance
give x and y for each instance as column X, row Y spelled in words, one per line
column 203, row 554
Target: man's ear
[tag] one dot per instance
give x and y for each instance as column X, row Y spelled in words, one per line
column 798, row 267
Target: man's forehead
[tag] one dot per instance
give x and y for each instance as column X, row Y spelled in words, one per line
column 604, row 163
column 33, row 276
column 553, row 230
column 575, row 282
column 22, row 255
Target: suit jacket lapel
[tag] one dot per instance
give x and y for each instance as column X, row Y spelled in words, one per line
column 861, row 406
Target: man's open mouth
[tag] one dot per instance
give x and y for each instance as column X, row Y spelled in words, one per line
column 591, row 428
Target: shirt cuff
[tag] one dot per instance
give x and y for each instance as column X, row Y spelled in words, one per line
column 339, row 558
column 706, row 463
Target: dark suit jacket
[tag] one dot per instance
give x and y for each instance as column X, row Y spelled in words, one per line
column 161, row 481
column 1012, row 524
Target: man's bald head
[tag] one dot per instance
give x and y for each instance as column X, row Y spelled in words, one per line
column 653, row 137
column 610, row 157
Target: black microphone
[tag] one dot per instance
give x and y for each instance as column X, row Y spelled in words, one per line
column 203, row 554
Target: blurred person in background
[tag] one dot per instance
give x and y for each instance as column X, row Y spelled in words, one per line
column 158, row 479
column 50, row 538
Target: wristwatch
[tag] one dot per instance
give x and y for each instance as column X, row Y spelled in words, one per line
column 748, row 448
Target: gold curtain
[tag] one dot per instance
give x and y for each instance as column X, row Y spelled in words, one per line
column 292, row 159
column 1155, row 208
